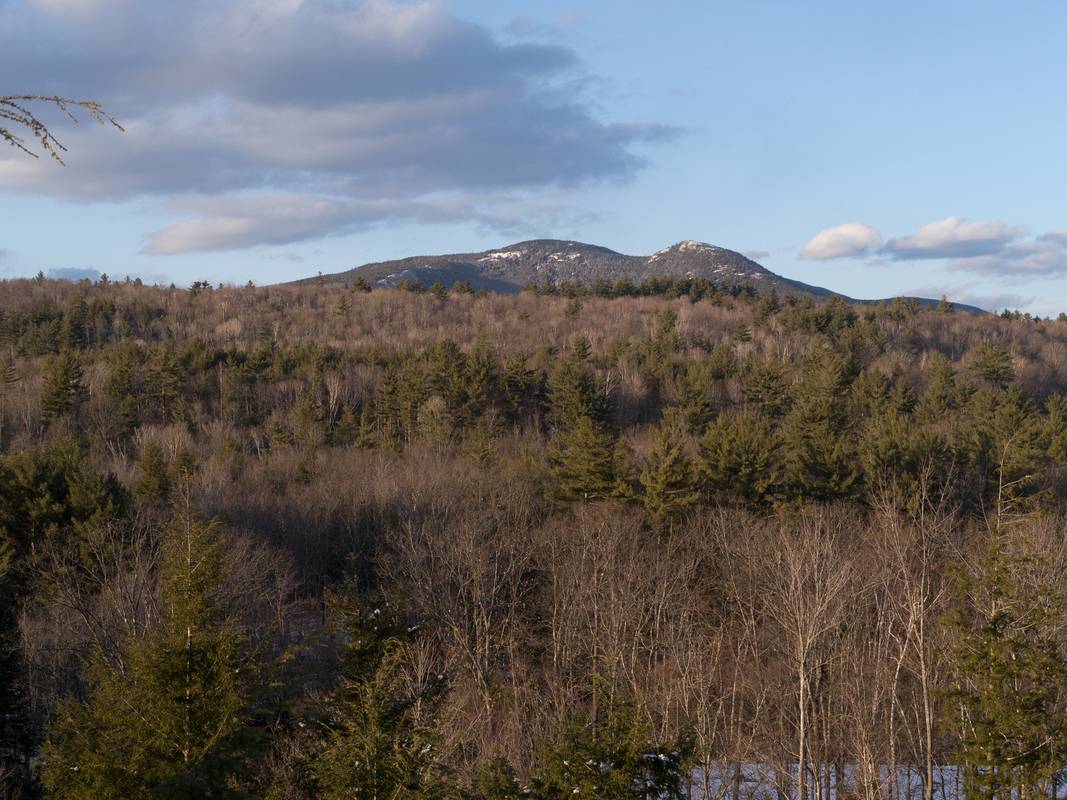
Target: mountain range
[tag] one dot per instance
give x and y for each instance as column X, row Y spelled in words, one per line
column 509, row 269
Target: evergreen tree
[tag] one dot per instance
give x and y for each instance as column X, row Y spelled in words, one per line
column 1009, row 677
column 63, row 390
column 173, row 720
column 481, row 373
column 993, row 365
column 576, row 394
column 583, row 462
column 667, row 478
column 523, row 388
column 764, row 386
column 896, row 449
column 153, row 487
column 612, row 759
column 939, row 398
column 819, row 454
column 162, row 385
column 376, row 743
column 739, row 460
column 73, row 332
column 496, row 781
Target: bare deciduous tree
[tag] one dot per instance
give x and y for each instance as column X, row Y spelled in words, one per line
column 17, row 117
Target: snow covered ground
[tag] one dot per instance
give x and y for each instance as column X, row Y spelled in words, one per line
column 762, row 782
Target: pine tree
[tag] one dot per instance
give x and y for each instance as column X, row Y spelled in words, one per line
column 63, row 388
column 153, row 487
column 172, row 722
column 612, row 759
column 576, row 394
column 739, row 460
column 939, row 398
column 376, row 744
column 162, row 384
column 819, row 454
column 496, row 780
column 522, row 387
column 1009, row 675
column 583, row 462
column 73, row 334
column 993, row 365
column 481, row 373
column 764, row 386
column 667, row 478
column 9, row 374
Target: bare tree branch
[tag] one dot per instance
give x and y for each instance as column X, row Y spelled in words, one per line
column 15, row 112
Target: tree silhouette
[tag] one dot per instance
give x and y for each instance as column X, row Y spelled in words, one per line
column 17, row 117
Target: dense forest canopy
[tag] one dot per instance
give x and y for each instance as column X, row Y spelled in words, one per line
column 325, row 542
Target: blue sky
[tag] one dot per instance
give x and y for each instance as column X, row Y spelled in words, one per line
column 873, row 148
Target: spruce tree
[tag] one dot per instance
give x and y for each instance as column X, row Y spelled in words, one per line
column 153, row 486
column 765, row 387
column 1009, row 677
column 171, row 719
column 63, row 390
column 377, row 744
column 583, row 461
column 740, row 460
column 496, row 780
column 614, row 758
column 993, row 365
column 481, row 376
column 667, row 477
column 939, row 398
column 577, row 394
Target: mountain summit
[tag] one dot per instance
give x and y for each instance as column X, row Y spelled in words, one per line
column 556, row 261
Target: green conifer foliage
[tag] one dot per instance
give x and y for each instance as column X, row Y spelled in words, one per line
column 667, row 478
column 309, row 420
column 171, row 722
column 939, row 398
column 497, row 781
column 583, row 462
column 1009, row 675
column 993, row 365
column 9, row 374
column 73, row 331
column 740, row 460
column 765, row 386
column 576, row 394
column 162, row 385
column 376, row 744
column 819, row 453
column 523, row 388
column 613, row 759
column 63, row 390
column 481, row 378
column 895, row 449
column 153, row 487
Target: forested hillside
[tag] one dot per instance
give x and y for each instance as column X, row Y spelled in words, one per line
column 327, row 542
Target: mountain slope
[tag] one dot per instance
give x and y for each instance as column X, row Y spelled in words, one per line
column 510, row 268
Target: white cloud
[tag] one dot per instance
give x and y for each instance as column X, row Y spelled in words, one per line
column 225, row 222
column 842, row 241
column 348, row 105
column 1046, row 255
column 953, row 237
column 975, row 294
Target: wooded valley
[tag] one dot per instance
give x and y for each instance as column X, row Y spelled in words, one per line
column 328, row 542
